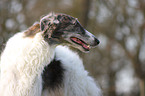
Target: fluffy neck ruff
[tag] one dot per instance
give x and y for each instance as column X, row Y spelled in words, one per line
column 77, row 81
column 66, row 76
column 22, row 63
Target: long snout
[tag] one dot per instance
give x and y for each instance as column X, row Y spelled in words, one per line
column 96, row 41
column 91, row 39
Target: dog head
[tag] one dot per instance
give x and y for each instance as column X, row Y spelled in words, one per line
column 65, row 29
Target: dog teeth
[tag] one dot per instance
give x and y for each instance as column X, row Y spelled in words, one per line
column 88, row 46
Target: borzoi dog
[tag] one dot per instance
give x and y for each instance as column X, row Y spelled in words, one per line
column 31, row 66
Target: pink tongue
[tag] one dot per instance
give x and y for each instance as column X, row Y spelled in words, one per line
column 80, row 42
column 77, row 40
column 85, row 46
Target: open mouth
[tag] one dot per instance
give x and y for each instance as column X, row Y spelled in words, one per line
column 81, row 43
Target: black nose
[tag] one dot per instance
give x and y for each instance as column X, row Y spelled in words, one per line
column 96, row 41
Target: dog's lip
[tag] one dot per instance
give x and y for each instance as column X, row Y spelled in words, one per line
column 81, row 43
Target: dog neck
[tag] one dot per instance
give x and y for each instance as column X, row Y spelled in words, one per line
column 22, row 63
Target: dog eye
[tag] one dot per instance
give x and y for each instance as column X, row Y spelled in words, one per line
column 58, row 33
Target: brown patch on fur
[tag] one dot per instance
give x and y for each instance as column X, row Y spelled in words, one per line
column 35, row 28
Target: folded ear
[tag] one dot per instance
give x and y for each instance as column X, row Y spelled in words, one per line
column 43, row 25
column 48, row 24
column 33, row 30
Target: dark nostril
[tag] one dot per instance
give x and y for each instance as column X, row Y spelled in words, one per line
column 96, row 41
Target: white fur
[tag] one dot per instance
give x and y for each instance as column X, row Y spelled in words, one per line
column 77, row 82
column 22, row 63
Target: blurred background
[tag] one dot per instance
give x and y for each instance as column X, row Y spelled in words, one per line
column 118, row 63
